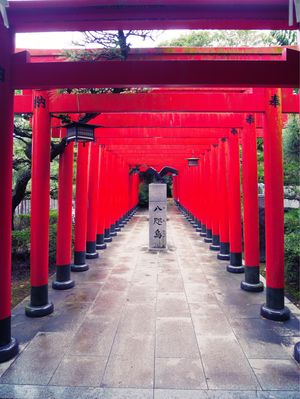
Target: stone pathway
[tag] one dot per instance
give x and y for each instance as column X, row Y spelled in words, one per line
column 144, row 325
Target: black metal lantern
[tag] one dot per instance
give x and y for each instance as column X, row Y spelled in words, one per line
column 193, row 161
column 80, row 132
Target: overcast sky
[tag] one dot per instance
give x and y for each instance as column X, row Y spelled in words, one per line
column 56, row 40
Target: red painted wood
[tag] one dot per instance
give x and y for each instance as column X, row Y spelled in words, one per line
column 166, row 53
column 157, row 102
column 250, row 195
column 93, row 185
column 223, row 191
column 81, row 197
column 234, row 200
column 215, row 199
column 208, row 190
column 65, row 194
column 159, row 73
column 38, row 16
column 274, row 212
column 101, row 193
column 6, row 156
column 40, row 191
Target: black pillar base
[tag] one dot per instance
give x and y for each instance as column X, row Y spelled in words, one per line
column 92, row 255
column 236, row 265
column 215, row 245
column 203, row 231
column 273, row 314
column 101, row 247
column 8, row 346
column 79, row 264
column 118, row 227
column 224, row 251
column 274, row 308
column 235, row 269
column 107, row 235
column 113, row 232
column 208, row 237
column 63, row 278
column 223, row 256
column 252, row 283
column 91, row 252
column 9, row 350
column 297, row 352
column 259, row 287
column 100, row 242
column 39, row 305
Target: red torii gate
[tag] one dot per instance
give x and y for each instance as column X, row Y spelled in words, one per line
column 18, row 73
column 120, row 144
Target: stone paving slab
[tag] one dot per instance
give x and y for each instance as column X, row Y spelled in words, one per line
column 159, row 325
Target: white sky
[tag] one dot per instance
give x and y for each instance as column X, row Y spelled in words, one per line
column 58, row 40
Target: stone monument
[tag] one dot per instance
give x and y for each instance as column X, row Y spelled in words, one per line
column 157, row 216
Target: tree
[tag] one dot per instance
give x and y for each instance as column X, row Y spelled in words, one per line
column 113, row 45
column 110, row 45
column 219, row 38
column 22, row 161
column 283, row 37
column 233, row 38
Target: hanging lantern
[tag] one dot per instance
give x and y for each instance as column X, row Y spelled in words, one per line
column 80, row 132
column 193, row 161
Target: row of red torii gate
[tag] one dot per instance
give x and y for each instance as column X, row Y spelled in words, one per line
column 155, row 128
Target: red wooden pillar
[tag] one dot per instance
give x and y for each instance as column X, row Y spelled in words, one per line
column 64, row 221
column 8, row 345
column 113, row 182
column 199, row 196
column 40, row 195
column 79, row 264
column 107, row 198
column 100, row 244
column 125, row 197
column 91, row 252
column 203, row 195
column 209, row 210
column 118, row 187
column 129, row 204
column 251, row 222
column 223, row 201
column 192, row 195
column 215, row 245
column 274, row 308
column 235, row 224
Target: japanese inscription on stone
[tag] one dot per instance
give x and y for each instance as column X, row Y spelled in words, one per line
column 157, row 216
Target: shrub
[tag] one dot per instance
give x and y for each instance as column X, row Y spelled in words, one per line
column 292, row 256
column 143, row 194
column 21, row 244
column 52, row 244
column 21, row 222
column 53, row 216
column 292, row 247
column 291, row 221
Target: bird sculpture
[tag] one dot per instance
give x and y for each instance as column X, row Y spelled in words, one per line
column 153, row 176
column 3, row 5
